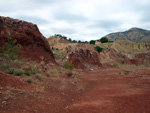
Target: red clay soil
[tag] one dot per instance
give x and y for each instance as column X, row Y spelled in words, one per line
column 76, row 62
column 82, row 57
column 33, row 44
column 112, row 90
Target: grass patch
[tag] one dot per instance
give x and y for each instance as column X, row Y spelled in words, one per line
column 68, row 65
column 38, row 76
column 29, row 80
column 35, row 70
column 115, row 65
column 18, row 72
column 27, row 73
column 10, row 71
column 48, row 73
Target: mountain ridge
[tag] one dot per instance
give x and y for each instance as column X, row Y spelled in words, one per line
column 133, row 34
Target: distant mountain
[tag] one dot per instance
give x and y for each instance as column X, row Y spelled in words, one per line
column 133, row 34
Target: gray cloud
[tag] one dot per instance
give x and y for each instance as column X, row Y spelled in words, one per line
column 105, row 24
column 34, row 20
column 70, row 17
column 64, row 30
column 80, row 19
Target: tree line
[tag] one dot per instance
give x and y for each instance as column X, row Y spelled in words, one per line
column 102, row 40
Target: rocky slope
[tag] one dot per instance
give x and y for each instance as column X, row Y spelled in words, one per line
column 33, row 44
column 85, row 55
column 133, row 34
column 126, row 52
column 81, row 55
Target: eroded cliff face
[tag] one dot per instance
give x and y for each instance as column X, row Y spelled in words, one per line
column 126, row 52
column 33, row 44
column 82, row 55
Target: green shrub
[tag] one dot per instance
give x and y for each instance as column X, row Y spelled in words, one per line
column 126, row 72
column 99, row 49
column 44, row 69
column 48, row 73
column 29, row 80
column 74, row 41
column 56, row 56
column 136, row 64
column 11, row 51
column 5, row 65
column 38, row 76
column 115, row 65
column 35, row 70
column 92, row 42
column 70, row 40
column 27, row 73
column 68, row 65
column 103, row 40
column 10, row 71
column 18, row 72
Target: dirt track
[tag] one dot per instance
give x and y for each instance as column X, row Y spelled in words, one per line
column 112, row 90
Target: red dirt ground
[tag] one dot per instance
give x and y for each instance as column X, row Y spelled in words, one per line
column 111, row 90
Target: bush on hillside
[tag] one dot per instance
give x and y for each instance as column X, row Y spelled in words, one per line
column 68, row 65
column 70, row 40
column 103, row 40
column 18, row 72
column 38, row 76
column 29, row 80
column 74, row 41
column 27, row 73
column 10, row 50
column 99, row 49
column 92, row 42
column 10, row 71
column 115, row 65
column 35, row 70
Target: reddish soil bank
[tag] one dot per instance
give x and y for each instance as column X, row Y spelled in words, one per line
column 33, row 44
column 112, row 90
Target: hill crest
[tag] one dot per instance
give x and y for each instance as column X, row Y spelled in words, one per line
column 134, row 34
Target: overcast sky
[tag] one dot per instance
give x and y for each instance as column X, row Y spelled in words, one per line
column 80, row 19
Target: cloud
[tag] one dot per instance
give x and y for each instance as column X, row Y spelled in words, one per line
column 80, row 19
column 69, row 17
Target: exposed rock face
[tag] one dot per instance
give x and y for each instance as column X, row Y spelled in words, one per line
column 75, row 61
column 56, row 40
column 33, row 44
column 126, row 52
column 133, row 34
column 81, row 55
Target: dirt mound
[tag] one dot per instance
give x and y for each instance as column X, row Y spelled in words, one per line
column 54, row 40
column 11, row 81
column 33, row 43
